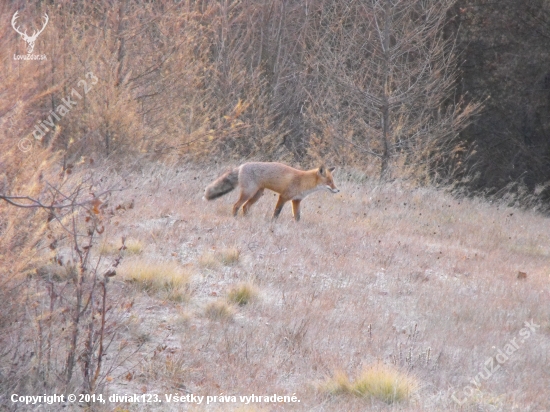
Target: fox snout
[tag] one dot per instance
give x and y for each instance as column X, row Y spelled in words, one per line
column 333, row 189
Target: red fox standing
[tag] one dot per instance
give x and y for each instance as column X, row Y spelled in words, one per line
column 253, row 178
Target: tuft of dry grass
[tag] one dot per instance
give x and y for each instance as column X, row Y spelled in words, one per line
column 242, row 294
column 107, row 248
column 226, row 257
column 380, row 381
column 229, row 256
column 219, row 310
column 209, row 260
column 132, row 247
column 166, row 278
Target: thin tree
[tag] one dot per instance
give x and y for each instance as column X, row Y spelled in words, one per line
column 390, row 79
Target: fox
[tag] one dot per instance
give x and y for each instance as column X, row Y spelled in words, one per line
column 254, row 177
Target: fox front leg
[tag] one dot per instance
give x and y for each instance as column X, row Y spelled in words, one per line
column 296, row 209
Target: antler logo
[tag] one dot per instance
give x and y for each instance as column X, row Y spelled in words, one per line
column 29, row 39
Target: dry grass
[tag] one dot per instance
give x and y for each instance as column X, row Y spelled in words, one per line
column 225, row 256
column 229, row 256
column 242, row 294
column 380, row 381
column 107, row 248
column 219, row 310
column 132, row 247
column 56, row 273
column 209, row 260
column 165, row 278
column 407, row 277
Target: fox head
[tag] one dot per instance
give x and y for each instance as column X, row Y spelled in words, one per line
column 325, row 176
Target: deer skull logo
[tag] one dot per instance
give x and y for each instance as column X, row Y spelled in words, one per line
column 29, row 39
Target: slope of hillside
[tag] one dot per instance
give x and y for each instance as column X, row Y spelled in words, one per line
column 437, row 288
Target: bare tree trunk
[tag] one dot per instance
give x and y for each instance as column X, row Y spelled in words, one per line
column 385, row 39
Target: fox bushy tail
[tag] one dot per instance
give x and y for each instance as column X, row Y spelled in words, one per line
column 222, row 185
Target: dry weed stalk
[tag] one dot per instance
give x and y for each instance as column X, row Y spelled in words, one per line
column 71, row 322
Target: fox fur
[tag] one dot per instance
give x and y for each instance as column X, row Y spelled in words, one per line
column 222, row 185
column 254, row 177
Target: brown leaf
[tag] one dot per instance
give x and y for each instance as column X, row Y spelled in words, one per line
column 95, row 205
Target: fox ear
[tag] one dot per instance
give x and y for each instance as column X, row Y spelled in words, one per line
column 322, row 170
column 331, row 169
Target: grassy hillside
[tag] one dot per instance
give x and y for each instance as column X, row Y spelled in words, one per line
column 379, row 283
column 117, row 278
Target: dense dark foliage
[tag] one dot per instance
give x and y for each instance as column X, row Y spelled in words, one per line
column 505, row 47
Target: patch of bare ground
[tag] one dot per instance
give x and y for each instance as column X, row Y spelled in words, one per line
column 379, row 274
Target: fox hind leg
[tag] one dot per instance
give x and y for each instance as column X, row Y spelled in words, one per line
column 278, row 207
column 252, row 200
column 244, row 197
